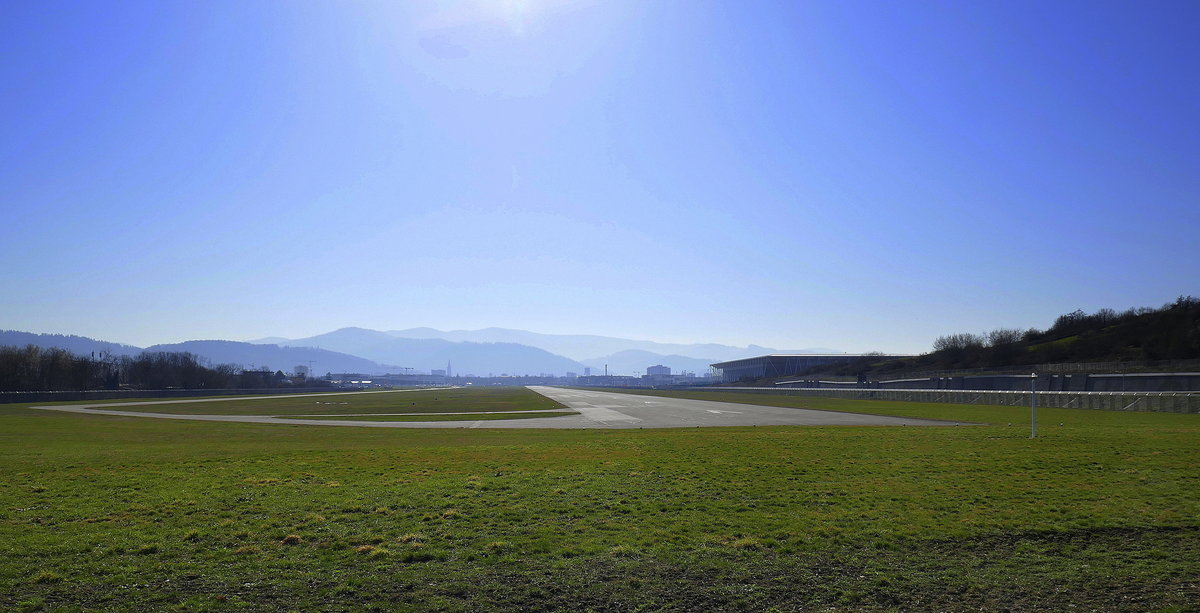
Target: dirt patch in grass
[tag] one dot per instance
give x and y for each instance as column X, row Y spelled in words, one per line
column 1018, row 572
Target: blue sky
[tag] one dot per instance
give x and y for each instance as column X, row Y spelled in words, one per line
column 857, row 175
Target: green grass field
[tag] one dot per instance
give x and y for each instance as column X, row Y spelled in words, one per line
column 490, row 399
column 441, row 416
column 114, row 513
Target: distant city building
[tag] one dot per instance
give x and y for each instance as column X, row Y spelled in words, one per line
column 611, row 381
column 587, row 371
column 571, row 375
column 658, row 369
column 438, row 372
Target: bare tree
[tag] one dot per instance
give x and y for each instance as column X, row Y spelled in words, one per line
column 965, row 340
column 1003, row 336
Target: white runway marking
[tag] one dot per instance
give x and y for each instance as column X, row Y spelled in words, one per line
column 603, row 414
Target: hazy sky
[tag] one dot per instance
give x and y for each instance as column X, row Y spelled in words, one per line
column 857, row 175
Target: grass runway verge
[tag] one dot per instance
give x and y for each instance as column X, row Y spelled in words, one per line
column 439, row 416
column 115, row 513
column 458, row 400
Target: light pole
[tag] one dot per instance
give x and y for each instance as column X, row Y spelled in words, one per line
column 1033, row 404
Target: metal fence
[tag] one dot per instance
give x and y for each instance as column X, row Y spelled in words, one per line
column 1166, row 402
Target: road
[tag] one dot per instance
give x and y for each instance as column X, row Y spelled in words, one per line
column 596, row 410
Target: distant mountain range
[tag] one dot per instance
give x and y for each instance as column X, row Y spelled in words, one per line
column 274, row 357
column 586, row 347
column 464, row 358
column 247, row 355
column 496, row 350
column 491, row 351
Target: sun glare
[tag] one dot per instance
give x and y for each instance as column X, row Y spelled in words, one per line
column 516, row 13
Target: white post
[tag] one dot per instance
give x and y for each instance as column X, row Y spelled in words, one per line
column 1033, row 404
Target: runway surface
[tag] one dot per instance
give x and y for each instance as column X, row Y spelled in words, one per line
column 616, row 410
column 596, row 410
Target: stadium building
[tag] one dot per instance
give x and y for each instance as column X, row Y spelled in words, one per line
column 783, row 365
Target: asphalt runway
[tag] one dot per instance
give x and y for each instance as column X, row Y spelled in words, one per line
column 596, row 410
column 616, row 410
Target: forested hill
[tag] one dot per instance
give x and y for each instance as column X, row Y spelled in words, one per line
column 78, row 345
column 1171, row 332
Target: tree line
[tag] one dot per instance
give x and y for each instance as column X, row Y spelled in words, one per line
column 1171, row 332
column 1144, row 334
column 33, row 368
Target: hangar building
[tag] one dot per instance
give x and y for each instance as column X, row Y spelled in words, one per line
column 783, row 365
